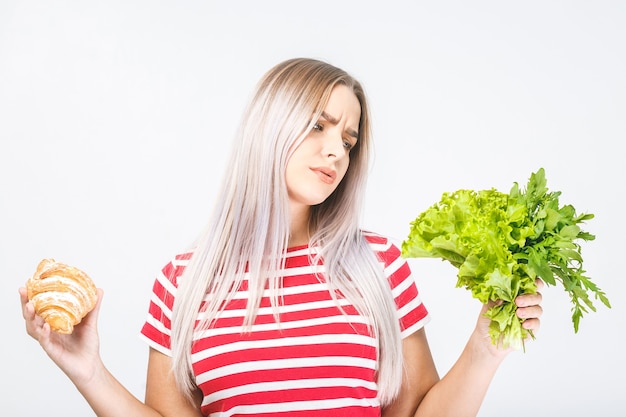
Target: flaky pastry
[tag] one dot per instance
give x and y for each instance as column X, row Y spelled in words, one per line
column 61, row 294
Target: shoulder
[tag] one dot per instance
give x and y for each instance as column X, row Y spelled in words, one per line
column 175, row 267
column 385, row 248
column 376, row 240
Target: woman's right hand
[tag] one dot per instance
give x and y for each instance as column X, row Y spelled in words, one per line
column 77, row 354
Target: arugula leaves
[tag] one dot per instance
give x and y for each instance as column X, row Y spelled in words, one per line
column 501, row 242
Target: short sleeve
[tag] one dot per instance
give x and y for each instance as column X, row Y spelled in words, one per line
column 412, row 313
column 156, row 330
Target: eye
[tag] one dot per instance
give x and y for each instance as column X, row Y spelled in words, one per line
column 318, row 126
column 348, row 145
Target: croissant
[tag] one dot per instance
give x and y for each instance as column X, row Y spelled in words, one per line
column 61, row 294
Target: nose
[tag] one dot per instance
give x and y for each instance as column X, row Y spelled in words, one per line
column 333, row 144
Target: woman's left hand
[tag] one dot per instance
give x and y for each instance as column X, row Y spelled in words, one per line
column 528, row 309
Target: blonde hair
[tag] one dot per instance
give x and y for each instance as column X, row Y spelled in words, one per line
column 250, row 223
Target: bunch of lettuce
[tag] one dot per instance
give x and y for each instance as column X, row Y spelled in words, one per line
column 501, row 242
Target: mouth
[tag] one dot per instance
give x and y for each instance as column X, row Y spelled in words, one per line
column 327, row 175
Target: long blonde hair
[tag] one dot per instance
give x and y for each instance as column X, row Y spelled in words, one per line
column 250, row 222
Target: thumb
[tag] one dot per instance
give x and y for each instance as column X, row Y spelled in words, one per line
column 92, row 317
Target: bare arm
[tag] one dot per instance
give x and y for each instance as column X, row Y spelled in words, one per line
column 461, row 391
column 419, row 376
column 162, row 393
column 77, row 355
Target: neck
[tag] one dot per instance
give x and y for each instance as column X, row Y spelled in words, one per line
column 299, row 232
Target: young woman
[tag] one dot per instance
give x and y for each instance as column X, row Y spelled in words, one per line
column 284, row 306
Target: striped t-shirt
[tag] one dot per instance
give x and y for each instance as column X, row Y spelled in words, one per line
column 318, row 361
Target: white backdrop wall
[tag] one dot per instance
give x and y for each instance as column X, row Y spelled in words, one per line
column 116, row 119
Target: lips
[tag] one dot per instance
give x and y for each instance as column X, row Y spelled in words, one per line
column 326, row 175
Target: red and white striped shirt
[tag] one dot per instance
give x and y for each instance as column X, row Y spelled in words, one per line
column 318, row 361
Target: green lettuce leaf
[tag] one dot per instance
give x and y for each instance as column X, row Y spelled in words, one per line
column 501, row 242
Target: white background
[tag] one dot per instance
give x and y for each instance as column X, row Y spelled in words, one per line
column 116, row 119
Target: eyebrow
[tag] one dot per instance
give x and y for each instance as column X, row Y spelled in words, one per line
column 334, row 121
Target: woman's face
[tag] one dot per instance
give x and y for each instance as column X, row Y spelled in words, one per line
column 320, row 162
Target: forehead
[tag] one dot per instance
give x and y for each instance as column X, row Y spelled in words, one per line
column 344, row 105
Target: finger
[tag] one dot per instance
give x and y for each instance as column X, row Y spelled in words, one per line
column 24, row 302
column 45, row 338
column 529, row 299
column 100, row 293
column 23, row 295
column 531, row 324
column 92, row 316
column 531, row 312
column 526, row 300
column 28, row 309
column 33, row 322
column 539, row 283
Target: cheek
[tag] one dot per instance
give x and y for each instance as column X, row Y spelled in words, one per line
column 342, row 168
column 289, row 175
column 292, row 171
